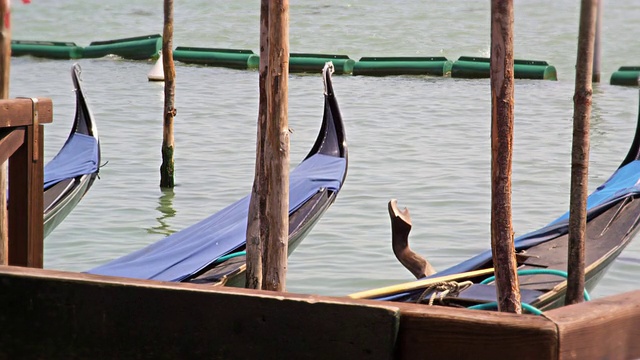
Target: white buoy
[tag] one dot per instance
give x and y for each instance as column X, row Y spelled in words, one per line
column 157, row 71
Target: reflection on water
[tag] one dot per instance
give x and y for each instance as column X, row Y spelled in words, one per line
column 165, row 207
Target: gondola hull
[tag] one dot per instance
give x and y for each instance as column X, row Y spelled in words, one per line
column 58, row 211
column 213, row 250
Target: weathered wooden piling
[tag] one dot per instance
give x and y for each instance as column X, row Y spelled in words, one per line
column 257, row 222
column 5, row 61
column 597, row 48
column 167, row 166
column 276, row 150
column 580, row 152
column 502, row 89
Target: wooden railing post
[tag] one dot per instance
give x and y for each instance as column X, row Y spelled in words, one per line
column 26, row 181
column 21, row 142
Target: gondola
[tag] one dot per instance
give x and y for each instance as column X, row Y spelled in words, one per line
column 212, row 251
column 613, row 216
column 71, row 173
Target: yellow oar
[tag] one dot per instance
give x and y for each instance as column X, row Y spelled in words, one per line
column 413, row 285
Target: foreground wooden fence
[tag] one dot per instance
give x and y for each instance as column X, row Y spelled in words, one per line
column 22, row 144
column 53, row 315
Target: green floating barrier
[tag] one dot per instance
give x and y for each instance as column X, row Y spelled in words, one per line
column 231, row 58
column 314, row 63
column 46, row 49
column 135, row 48
column 479, row 67
column 383, row 66
column 626, row 75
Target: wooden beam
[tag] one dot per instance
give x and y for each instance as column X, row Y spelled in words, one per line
column 10, row 142
column 51, row 314
column 605, row 328
column 26, row 214
column 19, row 112
column 436, row 332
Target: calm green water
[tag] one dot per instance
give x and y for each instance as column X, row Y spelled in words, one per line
column 425, row 141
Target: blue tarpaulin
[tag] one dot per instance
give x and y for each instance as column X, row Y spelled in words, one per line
column 78, row 156
column 180, row 255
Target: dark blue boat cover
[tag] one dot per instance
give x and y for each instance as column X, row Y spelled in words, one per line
column 180, row 255
column 623, row 183
column 78, row 156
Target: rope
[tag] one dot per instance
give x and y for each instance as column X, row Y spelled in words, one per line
column 539, row 272
column 229, row 256
column 445, row 288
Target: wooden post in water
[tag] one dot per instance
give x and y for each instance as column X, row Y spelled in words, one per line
column 502, row 90
column 5, row 61
column 597, row 49
column 276, row 149
column 256, row 225
column 580, row 152
column 167, row 166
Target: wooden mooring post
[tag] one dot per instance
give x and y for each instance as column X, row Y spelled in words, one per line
column 21, row 143
column 167, row 166
column 276, row 150
column 580, row 152
column 597, row 48
column 257, row 207
column 5, row 61
column 502, row 89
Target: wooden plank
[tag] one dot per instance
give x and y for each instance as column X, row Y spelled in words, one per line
column 66, row 315
column 605, row 328
column 26, row 183
column 447, row 333
column 17, row 112
column 10, row 142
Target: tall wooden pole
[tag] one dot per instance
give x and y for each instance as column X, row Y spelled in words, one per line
column 167, row 166
column 597, row 49
column 277, row 149
column 5, row 61
column 502, row 90
column 257, row 223
column 580, row 152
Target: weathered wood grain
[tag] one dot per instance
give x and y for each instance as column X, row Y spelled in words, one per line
column 606, row 328
column 17, row 112
column 54, row 315
column 449, row 333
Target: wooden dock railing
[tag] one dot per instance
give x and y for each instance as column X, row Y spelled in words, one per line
column 21, row 143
